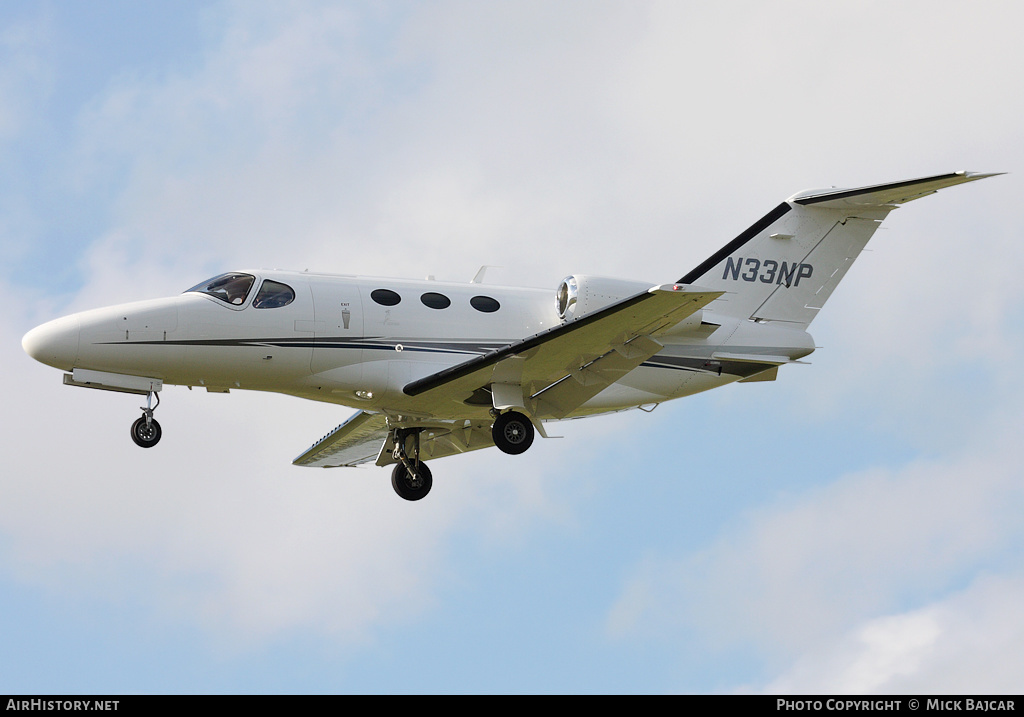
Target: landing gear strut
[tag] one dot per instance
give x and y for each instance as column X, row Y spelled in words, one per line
column 146, row 431
column 411, row 478
column 512, row 433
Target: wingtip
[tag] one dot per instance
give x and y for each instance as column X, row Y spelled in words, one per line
column 971, row 176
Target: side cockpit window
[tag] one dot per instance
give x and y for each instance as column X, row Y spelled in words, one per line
column 230, row 288
column 272, row 295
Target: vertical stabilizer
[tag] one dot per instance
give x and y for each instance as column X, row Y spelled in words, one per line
column 785, row 266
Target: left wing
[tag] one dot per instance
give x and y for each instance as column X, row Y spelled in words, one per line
column 364, row 438
column 554, row 372
column 357, row 440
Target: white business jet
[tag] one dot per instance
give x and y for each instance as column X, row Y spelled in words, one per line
column 436, row 368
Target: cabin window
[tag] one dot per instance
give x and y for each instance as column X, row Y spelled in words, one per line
column 435, row 300
column 273, row 294
column 385, row 297
column 485, row 304
column 229, row 288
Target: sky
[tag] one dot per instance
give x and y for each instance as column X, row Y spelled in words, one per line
column 852, row 527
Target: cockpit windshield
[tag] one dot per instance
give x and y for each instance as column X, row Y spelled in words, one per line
column 230, row 288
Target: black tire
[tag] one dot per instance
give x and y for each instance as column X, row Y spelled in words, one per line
column 146, row 436
column 512, row 433
column 409, row 487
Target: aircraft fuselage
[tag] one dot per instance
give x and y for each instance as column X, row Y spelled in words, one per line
column 358, row 341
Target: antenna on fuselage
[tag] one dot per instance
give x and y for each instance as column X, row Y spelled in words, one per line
column 479, row 278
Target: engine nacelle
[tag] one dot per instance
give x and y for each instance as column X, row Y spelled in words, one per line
column 579, row 295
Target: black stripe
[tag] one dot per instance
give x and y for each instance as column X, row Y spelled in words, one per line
column 759, row 226
column 369, row 343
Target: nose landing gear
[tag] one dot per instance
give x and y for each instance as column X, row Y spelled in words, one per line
column 146, row 431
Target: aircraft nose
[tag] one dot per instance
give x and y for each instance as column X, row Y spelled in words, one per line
column 54, row 343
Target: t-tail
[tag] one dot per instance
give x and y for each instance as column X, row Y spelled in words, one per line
column 785, row 266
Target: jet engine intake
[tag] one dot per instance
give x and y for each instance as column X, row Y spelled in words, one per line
column 580, row 294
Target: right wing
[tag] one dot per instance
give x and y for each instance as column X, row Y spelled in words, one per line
column 554, row 372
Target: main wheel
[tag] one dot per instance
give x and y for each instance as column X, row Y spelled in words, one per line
column 512, row 433
column 411, row 487
column 146, row 435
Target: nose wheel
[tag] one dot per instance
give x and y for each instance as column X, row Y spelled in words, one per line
column 146, row 431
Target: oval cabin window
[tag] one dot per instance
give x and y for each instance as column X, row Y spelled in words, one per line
column 385, row 297
column 485, row 304
column 435, row 300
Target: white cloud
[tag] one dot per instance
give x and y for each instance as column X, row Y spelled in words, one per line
column 486, row 134
column 788, row 579
column 967, row 643
column 25, row 86
column 26, row 73
column 933, row 298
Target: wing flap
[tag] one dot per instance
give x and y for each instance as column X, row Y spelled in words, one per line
column 452, row 438
column 364, row 436
column 357, row 440
column 581, row 384
column 754, row 358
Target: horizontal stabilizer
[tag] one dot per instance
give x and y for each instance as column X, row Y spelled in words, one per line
column 881, row 195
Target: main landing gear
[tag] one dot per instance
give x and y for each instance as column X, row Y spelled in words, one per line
column 412, row 484
column 146, row 431
column 411, row 478
column 512, row 433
